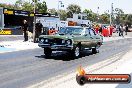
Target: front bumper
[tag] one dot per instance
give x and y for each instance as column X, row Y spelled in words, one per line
column 56, row 47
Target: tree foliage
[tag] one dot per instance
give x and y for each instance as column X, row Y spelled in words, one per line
column 63, row 14
column 53, row 11
column 42, row 7
column 119, row 16
column 105, row 18
column 69, row 14
column 27, row 6
column 128, row 20
column 10, row 6
column 90, row 15
column 73, row 9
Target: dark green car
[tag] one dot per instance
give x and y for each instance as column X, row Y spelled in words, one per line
column 72, row 39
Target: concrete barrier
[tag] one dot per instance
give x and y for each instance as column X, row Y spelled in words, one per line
column 15, row 37
column 11, row 37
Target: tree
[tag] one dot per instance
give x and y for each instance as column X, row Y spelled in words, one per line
column 69, row 14
column 105, row 18
column 23, row 5
column 52, row 11
column 128, row 19
column 18, row 4
column 63, row 14
column 73, row 8
column 91, row 15
column 9, row 6
column 35, row 1
column 119, row 11
column 119, row 16
column 27, row 6
column 42, row 7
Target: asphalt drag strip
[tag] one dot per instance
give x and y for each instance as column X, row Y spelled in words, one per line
column 28, row 67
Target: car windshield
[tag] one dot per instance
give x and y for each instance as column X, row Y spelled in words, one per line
column 70, row 31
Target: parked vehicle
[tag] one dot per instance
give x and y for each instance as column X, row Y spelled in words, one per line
column 79, row 20
column 130, row 30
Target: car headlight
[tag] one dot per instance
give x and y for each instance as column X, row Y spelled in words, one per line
column 46, row 40
column 69, row 42
column 63, row 41
column 42, row 40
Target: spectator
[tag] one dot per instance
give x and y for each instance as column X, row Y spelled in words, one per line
column 126, row 29
column 117, row 28
column 100, row 29
column 25, row 30
column 111, row 30
column 97, row 29
column 122, row 30
column 38, row 30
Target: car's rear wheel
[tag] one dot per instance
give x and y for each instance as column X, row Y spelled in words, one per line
column 47, row 52
column 95, row 50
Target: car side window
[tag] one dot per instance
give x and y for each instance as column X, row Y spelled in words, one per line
column 92, row 32
column 87, row 31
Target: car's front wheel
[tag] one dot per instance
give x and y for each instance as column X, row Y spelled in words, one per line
column 47, row 52
column 75, row 52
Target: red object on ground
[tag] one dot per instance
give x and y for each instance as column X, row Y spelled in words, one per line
column 105, row 32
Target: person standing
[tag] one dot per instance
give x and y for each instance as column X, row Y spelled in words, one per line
column 25, row 30
column 126, row 29
column 38, row 30
column 122, row 30
column 97, row 29
column 100, row 29
column 111, row 30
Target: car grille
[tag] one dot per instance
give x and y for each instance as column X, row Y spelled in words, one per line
column 55, row 41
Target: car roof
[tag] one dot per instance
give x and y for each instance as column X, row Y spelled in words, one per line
column 76, row 27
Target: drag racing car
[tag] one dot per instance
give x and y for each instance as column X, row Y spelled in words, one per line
column 72, row 39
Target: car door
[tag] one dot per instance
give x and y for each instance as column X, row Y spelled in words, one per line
column 87, row 39
column 93, row 37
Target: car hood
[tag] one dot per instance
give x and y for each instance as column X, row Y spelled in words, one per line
column 57, row 36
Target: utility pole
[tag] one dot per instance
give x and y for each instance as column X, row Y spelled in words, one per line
column 98, row 15
column 34, row 22
column 111, row 13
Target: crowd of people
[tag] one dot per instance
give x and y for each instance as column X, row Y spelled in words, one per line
column 105, row 30
column 108, row 30
column 38, row 30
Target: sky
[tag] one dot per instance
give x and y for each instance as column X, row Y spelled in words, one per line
column 104, row 5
